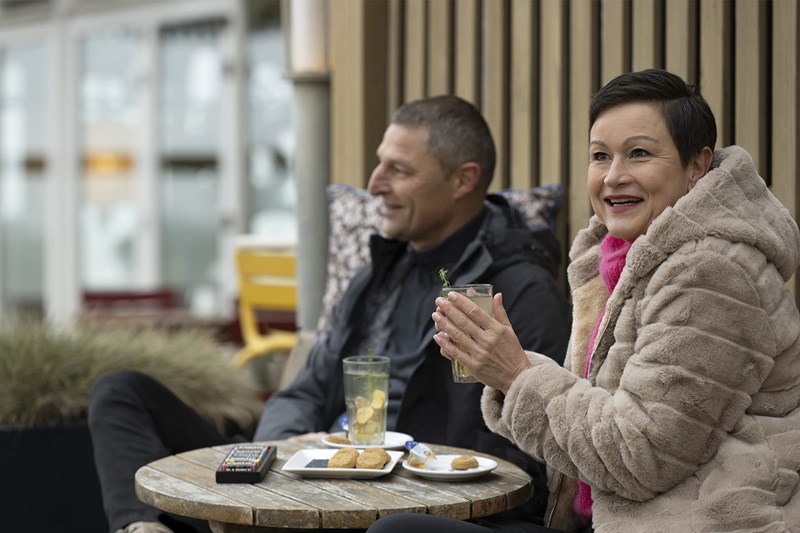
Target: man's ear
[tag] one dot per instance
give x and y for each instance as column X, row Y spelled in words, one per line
column 467, row 177
column 700, row 164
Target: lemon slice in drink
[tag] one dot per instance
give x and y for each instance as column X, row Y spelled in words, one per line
column 363, row 414
column 378, row 398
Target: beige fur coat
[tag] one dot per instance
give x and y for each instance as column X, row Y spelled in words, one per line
column 689, row 420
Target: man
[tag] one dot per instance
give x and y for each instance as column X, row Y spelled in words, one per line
column 436, row 161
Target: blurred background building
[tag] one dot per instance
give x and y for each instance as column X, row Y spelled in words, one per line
column 137, row 140
column 140, row 138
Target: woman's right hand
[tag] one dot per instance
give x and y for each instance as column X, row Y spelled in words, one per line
column 487, row 346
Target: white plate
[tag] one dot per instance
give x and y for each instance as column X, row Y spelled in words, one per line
column 392, row 441
column 297, row 465
column 440, row 469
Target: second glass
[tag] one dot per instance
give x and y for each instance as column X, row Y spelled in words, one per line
column 366, row 389
column 480, row 294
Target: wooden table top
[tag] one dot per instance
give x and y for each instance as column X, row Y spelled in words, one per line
column 185, row 484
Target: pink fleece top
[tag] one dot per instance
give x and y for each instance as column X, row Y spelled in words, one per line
column 613, row 252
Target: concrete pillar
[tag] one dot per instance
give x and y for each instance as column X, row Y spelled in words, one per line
column 311, row 173
column 306, row 24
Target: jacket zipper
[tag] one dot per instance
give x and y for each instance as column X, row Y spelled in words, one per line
column 555, row 501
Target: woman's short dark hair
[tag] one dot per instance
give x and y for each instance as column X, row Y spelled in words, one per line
column 457, row 132
column 688, row 116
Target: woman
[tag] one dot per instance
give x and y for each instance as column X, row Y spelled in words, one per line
column 677, row 409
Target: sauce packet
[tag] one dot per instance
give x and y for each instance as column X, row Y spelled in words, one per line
column 418, row 453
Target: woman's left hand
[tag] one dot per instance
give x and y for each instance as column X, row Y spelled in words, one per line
column 487, row 346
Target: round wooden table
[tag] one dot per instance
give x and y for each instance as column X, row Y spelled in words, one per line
column 184, row 484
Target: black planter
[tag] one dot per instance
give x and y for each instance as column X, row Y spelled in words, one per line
column 48, row 481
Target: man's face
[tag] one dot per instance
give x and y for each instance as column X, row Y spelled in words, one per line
column 418, row 197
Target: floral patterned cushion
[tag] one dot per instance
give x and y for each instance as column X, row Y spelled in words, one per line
column 355, row 215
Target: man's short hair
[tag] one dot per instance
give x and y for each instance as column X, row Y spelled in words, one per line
column 457, row 132
column 688, row 116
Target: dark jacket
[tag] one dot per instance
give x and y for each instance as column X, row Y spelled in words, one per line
column 505, row 253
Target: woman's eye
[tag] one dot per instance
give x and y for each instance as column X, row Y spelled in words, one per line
column 599, row 156
column 639, row 152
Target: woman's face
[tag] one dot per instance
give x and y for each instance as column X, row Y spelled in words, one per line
column 635, row 170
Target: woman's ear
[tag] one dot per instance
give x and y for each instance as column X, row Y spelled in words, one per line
column 700, row 165
column 467, row 177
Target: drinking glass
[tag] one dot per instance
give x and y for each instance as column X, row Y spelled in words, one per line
column 480, row 294
column 366, row 389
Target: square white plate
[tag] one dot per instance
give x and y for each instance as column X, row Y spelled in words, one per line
column 297, row 465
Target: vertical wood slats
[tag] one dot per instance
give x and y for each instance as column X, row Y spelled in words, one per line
column 415, row 37
column 494, row 101
column 647, row 42
column 554, row 92
column 524, row 112
column 532, row 65
column 583, row 83
column 440, row 53
column 750, row 106
column 715, row 77
column 394, row 90
column 376, row 77
column 615, row 37
column 347, row 106
column 680, row 39
column 467, row 42
column 785, row 84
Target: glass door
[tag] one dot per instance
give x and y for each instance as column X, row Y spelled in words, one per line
column 109, row 130
column 23, row 173
column 137, row 141
column 190, row 128
column 155, row 156
column 270, row 191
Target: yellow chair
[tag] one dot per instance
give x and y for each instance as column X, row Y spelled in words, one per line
column 267, row 280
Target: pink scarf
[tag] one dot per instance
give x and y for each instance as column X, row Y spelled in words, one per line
column 613, row 252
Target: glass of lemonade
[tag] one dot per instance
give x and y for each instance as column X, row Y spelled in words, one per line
column 481, row 294
column 366, row 389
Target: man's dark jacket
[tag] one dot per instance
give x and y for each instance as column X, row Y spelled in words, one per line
column 434, row 409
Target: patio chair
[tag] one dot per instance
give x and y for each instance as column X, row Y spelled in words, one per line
column 267, row 281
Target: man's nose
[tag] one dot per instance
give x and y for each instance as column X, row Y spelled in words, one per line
column 377, row 181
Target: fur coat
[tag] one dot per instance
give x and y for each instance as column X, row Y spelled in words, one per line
column 689, row 420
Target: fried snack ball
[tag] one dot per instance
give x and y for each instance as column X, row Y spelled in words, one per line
column 344, row 458
column 372, row 458
column 464, row 462
column 338, row 439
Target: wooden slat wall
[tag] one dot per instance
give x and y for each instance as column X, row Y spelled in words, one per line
column 467, row 50
column 750, row 113
column 584, row 74
column 681, row 46
column 784, row 151
column 524, row 93
column 415, row 49
column 532, row 65
column 648, row 38
column 716, row 49
column 440, row 39
column 615, row 38
column 494, row 82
